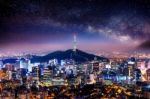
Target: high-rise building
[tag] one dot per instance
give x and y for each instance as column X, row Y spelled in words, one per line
column 2, row 74
column 47, row 74
column 95, row 66
column 53, row 62
column 14, row 75
column 63, row 62
column 148, row 74
column 148, row 64
column 22, row 63
column 9, row 67
column 35, row 73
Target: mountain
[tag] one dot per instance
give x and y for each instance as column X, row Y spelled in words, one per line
column 79, row 56
column 145, row 45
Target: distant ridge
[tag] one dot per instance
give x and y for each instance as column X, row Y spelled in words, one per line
column 145, row 45
column 79, row 56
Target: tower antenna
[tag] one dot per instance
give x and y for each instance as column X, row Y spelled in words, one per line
column 74, row 42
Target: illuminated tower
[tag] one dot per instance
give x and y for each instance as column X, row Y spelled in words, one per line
column 74, row 43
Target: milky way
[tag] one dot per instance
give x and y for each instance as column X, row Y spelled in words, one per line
column 53, row 22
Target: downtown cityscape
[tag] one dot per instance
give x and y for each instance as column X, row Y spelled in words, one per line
column 74, row 49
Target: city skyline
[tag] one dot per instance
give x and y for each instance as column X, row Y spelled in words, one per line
column 74, row 49
column 100, row 25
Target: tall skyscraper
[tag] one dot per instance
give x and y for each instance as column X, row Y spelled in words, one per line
column 74, row 42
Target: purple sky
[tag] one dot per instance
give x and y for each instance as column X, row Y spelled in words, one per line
column 49, row 25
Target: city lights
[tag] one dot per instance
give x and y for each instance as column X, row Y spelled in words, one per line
column 74, row 49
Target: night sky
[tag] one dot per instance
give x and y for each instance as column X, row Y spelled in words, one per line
column 49, row 25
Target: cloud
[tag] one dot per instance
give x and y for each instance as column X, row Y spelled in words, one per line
column 40, row 20
column 124, row 28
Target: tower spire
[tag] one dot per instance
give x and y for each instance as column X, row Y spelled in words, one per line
column 74, row 42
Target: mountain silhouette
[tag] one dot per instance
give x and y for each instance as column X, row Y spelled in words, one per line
column 79, row 56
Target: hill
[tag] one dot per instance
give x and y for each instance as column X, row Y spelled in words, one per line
column 79, row 56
